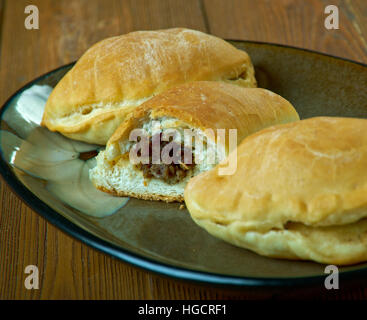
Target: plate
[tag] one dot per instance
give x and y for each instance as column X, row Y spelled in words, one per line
column 49, row 172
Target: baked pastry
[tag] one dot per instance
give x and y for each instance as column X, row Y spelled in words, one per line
column 195, row 107
column 119, row 73
column 299, row 192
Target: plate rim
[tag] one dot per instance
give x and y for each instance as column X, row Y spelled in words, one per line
column 145, row 263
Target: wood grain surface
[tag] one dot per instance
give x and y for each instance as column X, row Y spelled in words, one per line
column 69, row 269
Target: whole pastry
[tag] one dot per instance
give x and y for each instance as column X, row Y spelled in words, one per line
column 299, row 192
column 117, row 74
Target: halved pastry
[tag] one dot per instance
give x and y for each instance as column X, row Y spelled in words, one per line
column 117, row 74
column 203, row 111
column 299, row 192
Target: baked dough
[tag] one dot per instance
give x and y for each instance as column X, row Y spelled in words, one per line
column 119, row 73
column 299, row 192
column 196, row 106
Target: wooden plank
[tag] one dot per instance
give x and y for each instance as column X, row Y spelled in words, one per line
column 293, row 22
column 2, row 8
column 356, row 11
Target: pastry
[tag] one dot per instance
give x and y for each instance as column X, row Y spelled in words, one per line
column 117, row 74
column 299, row 192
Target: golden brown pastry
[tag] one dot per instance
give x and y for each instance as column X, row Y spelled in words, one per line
column 299, row 192
column 119, row 73
column 196, row 106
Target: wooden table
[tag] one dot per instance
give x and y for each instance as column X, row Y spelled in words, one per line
column 68, row 268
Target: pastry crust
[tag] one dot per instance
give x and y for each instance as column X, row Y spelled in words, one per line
column 299, row 192
column 197, row 105
column 212, row 105
column 152, row 197
column 119, row 73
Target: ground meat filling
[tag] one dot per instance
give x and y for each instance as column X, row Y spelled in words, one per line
column 171, row 173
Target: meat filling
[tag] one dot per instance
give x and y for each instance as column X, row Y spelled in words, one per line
column 171, row 173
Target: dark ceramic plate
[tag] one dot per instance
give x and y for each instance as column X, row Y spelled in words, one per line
column 49, row 173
